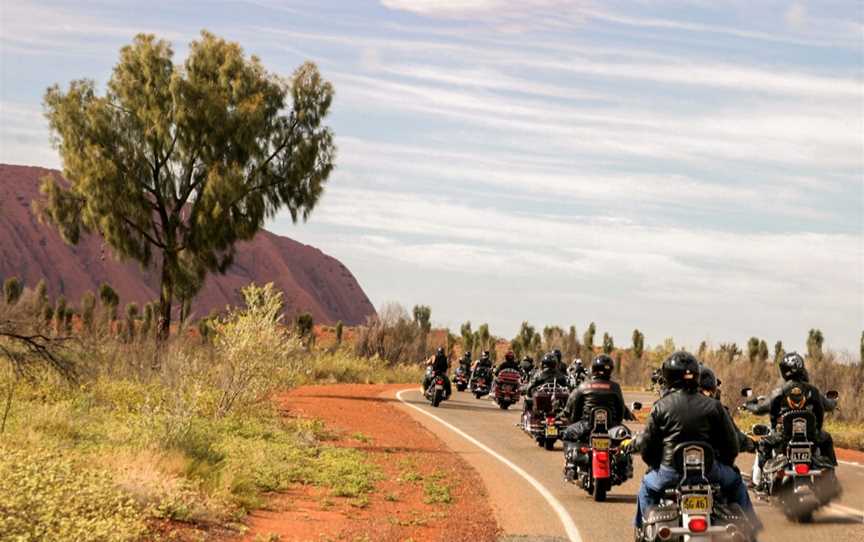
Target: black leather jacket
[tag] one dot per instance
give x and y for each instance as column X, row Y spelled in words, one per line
column 594, row 394
column 682, row 416
column 440, row 365
column 544, row 377
column 778, row 402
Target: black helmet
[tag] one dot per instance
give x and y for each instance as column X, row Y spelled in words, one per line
column 510, row 356
column 485, row 355
column 557, row 354
column 602, row 367
column 440, row 351
column 708, row 381
column 681, row 370
column 792, row 367
column 467, row 354
column 549, row 361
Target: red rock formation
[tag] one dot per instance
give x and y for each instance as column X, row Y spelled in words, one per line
column 311, row 280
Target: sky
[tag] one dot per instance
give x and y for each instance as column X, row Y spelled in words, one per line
column 691, row 168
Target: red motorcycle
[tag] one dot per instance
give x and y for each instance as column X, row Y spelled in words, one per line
column 505, row 388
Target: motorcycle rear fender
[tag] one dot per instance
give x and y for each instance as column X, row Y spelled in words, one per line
column 600, row 465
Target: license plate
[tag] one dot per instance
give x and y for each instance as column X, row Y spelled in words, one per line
column 800, row 456
column 600, row 443
column 551, row 431
column 695, row 504
column 439, row 387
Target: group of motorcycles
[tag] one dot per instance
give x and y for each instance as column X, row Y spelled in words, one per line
column 796, row 477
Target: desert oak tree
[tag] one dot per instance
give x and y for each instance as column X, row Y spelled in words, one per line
column 176, row 163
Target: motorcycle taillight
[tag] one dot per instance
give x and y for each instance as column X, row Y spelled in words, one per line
column 697, row 525
column 802, row 468
column 550, row 421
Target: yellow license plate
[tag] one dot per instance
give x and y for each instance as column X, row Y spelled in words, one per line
column 695, row 504
column 551, row 431
column 600, row 443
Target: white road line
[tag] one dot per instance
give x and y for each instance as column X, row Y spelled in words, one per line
column 563, row 515
column 851, row 463
column 858, row 514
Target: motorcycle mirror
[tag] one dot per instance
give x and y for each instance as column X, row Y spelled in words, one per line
column 760, row 429
column 746, row 392
column 832, row 394
column 636, row 406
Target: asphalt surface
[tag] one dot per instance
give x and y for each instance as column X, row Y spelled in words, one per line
column 532, row 502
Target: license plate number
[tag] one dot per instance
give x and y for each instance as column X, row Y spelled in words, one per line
column 802, row 456
column 551, row 431
column 439, row 386
column 600, row 443
column 695, row 504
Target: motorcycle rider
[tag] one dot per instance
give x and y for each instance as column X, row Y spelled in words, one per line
column 465, row 362
column 577, row 369
column 508, row 363
column 796, row 393
column 683, row 414
column 599, row 392
column 482, row 364
column 549, row 372
column 560, row 358
column 709, row 385
column 438, row 365
column 526, row 366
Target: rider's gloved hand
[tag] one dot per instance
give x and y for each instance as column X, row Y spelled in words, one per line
column 627, row 445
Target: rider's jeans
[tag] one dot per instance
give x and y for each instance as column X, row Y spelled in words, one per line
column 656, row 480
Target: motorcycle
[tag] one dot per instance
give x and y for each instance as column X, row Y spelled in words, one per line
column 505, row 388
column 481, row 381
column 436, row 390
column 461, row 377
column 795, row 476
column 543, row 420
column 600, row 463
column 574, row 378
column 694, row 510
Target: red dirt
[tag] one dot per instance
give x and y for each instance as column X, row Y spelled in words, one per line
column 850, row 455
column 396, row 510
column 311, row 280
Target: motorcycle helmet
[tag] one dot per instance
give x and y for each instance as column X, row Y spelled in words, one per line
column 708, row 381
column 602, row 367
column 549, row 362
column 681, row 370
column 510, row 356
column 485, row 355
column 792, row 367
column 557, row 354
column 577, row 362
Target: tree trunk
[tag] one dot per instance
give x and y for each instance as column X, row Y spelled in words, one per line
column 163, row 329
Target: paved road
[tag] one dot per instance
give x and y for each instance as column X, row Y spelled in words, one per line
column 525, row 505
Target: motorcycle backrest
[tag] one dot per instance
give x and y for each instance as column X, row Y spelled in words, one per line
column 799, row 425
column 686, row 454
column 600, row 419
column 746, row 392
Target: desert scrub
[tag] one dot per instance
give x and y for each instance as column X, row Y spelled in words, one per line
column 344, row 367
column 45, row 495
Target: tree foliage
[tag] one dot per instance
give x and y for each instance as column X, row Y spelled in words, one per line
column 12, row 290
column 638, row 344
column 753, row 349
column 608, row 343
column 815, row 340
column 176, row 163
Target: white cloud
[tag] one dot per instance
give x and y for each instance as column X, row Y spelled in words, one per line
column 473, row 8
column 796, row 15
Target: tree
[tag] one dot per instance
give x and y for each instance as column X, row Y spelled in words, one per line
column 731, row 350
column 778, row 351
column 60, row 313
column 814, row 343
column 131, row 317
column 88, row 309
column 176, row 163
column 608, row 343
column 339, row 331
column 305, row 325
column 147, row 319
column 467, row 337
column 753, row 349
column 703, row 349
column 12, row 290
column 588, row 341
column 483, row 338
column 422, row 317
column 638, row 344
column 109, row 300
column 763, row 351
column 40, row 296
column 572, row 347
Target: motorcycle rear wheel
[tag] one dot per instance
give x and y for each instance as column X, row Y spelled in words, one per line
column 436, row 399
column 549, row 444
column 600, row 489
column 503, row 405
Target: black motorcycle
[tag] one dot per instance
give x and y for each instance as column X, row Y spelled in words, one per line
column 481, row 381
column 436, row 392
column 796, row 477
column 462, row 377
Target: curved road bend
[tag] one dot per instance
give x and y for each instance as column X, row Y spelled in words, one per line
column 528, row 512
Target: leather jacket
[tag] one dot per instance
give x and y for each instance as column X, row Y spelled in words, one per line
column 440, row 365
column 593, row 394
column 683, row 416
column 507, row 365
column 781, row 401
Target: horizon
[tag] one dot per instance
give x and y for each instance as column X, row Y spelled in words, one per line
column 690, row 170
